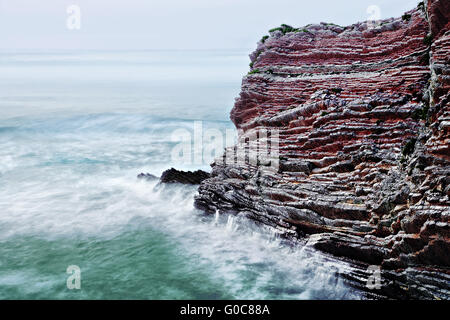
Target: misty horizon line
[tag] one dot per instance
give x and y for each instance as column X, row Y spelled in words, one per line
column 125, row 50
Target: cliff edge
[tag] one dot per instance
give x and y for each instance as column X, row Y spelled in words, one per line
column 364, row 153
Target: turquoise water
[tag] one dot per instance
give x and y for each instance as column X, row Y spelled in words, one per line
column 75, row 130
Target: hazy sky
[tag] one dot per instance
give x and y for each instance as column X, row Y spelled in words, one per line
column 171, row 24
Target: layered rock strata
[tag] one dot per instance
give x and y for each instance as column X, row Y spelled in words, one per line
column 363, row 119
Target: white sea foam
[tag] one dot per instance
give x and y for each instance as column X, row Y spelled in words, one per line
column 61, row 205
column 68, row 189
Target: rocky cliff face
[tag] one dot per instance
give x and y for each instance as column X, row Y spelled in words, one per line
column 363, row 119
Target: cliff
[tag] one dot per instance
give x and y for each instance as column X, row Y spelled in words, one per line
column 363, row 119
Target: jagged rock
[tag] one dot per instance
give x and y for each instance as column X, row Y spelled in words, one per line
column 184, row 177
column 362, row 115
column 147, row 176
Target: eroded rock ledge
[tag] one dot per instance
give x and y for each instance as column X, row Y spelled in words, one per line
column 364, row 118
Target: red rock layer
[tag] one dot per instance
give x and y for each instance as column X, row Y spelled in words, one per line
column 363, row 119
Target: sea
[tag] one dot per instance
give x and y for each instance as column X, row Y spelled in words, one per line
column 76, row 128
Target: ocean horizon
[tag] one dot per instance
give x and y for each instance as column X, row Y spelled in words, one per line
column 76, row 128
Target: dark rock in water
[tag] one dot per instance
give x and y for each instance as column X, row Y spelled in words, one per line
column 185, row 177
column 147, row 176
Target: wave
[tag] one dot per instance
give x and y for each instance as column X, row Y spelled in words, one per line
column 105, row 122
column 150, row 238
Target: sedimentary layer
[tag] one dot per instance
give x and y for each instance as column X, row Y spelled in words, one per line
column 363, row 119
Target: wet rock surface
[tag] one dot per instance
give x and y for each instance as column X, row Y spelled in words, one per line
column 177, row 176
column 184, row 177
column 363, row 118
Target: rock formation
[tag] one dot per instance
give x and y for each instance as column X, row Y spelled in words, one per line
column 173, row 175
column 363, row 119
column 177, row 176
column 184, row 177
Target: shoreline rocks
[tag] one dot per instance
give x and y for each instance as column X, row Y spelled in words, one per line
column 184, row 177
column 177, row 176
column 363, row 117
